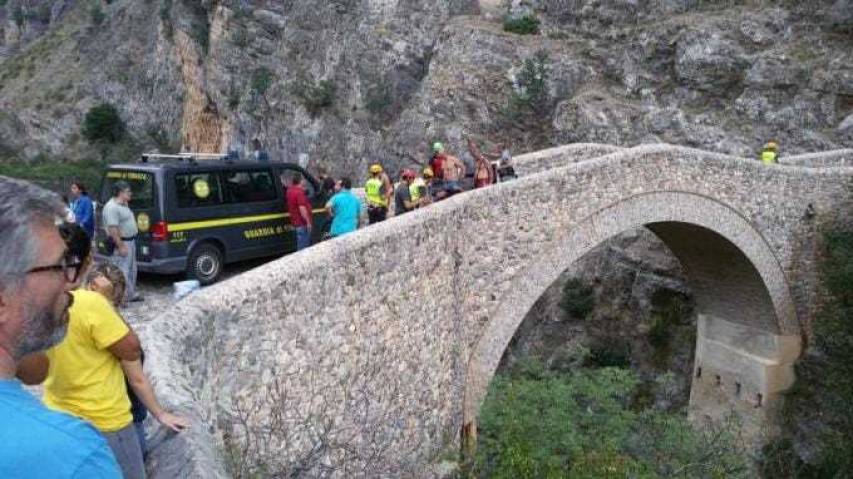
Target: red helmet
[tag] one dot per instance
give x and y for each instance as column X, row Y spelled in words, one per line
column 408, row 173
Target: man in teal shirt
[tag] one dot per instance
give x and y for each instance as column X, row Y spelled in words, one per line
column 36, row 274
column 345, row 209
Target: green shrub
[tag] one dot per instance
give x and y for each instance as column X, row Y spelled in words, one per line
column 530, row 88
column 522, row 25
column 380, row 97
column 819, row 402
column 96, row 14
column 580, row 425
column 102, row 124
column 261, row 80
column 316, row 96
column 18, row 16
column 165, row 13
column 578, row 300
column 40, row 14
column 234, row 96
column 55, row 174
column 605, row 354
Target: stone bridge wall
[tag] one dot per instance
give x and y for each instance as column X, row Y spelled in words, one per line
column 829, row 159
column 377, row 332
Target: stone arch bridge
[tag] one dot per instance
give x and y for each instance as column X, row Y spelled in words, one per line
column 367, row 355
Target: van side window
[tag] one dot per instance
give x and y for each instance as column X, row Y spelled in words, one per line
column 249, row 186
column 197, row 189
column 287, row 174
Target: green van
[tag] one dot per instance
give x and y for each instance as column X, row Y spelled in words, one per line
column 198, row 212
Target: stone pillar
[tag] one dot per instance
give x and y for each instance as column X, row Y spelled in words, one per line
column 741, row 371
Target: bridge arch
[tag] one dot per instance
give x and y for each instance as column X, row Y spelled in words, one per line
column 749, row 334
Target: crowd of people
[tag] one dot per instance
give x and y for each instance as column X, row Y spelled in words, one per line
column 442, row 178
column 60, row 327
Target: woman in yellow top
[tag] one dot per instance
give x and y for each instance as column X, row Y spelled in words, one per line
column 85, row 372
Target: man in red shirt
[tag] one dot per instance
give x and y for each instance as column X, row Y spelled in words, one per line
column 299, row 209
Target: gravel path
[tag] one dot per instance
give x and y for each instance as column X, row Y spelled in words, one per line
column 157, row 291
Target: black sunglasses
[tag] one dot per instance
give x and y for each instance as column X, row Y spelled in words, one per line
column 70, row 268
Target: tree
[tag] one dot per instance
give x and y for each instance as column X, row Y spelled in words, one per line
column 103, row 124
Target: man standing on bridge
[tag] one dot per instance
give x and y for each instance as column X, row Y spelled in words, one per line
column 345, row 209
column 120, row 224
column 299, row 209
column 770, row 155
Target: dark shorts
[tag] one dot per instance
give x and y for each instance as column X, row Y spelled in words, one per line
column 376, row 214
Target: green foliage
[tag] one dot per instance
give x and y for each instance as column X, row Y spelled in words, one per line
column 102, row 124
column 820, row 400
column 96, row 14
column 261, row 80
column 580, row 425
column 165, row 13
column 234, row 96
column 530, row 89
column 380, row 97
column 18, row 16
column 522, row 25
column 838, row 267
column 55, row 174
column 578, row 299
column 669, row 310
column 40, row 14
column 316, row 96
column 605, row 354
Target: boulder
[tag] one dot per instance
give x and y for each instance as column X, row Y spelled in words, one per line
column 596, row 117
column 774, row 72
column 708, row 60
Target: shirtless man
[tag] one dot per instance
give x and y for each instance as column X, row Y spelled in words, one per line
column 454, row 172
column 484, row 174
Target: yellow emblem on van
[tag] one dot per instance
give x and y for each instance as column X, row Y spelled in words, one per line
column 201, row 188
column 143, row 222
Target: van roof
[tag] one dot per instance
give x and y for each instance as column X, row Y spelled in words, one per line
column 204, row 164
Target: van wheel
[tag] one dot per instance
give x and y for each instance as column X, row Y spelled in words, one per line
column 205, row 264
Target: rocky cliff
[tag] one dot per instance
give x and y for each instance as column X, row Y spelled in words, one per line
column 340, row 83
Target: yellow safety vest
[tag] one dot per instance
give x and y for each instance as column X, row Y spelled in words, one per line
column 373, row 193
column 768, row 157
column 415, row 189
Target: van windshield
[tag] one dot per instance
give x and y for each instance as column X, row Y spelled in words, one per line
column 141, row 184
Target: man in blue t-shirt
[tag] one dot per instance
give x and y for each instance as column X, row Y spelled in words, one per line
column 36, row 274
column 345, row 209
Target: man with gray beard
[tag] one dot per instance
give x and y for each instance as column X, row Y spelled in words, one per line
column 35, row 276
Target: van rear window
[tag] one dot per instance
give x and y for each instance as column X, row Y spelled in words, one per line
column 141, row 184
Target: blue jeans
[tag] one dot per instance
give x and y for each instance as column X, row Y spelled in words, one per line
column 303, row 238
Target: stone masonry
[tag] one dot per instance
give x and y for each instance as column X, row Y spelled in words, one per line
column 366, row 355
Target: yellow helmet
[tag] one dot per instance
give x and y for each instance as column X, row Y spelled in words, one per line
column 771, row 145
column 428, row 172
column 376, row 168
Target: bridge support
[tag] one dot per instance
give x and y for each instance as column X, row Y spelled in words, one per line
column 741, row 372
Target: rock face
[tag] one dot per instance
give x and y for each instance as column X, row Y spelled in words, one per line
column 348, row 82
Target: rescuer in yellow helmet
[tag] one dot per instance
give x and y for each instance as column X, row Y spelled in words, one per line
column 377, row 193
